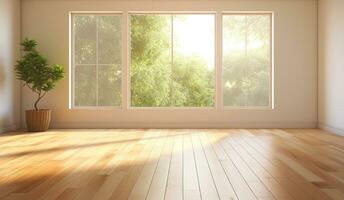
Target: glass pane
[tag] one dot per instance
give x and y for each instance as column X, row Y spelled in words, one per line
column 85, row 87
column 109, row 88
column 85, row 35
column 150, row 69
column 246, row 60
column 193, row 60
column 109, row 40
column 97, row 40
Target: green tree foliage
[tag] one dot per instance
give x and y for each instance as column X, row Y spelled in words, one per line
column 159, row 79
column 97, row 59
column 150, row 68
column 163, row 75
column 34, row 71
column 246, row 68
column 194, row 84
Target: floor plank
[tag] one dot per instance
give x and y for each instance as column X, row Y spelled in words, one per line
column 226, row 164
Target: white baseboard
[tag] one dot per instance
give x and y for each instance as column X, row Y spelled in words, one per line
column 331, row 129
column 105, row 125
column 10, row 128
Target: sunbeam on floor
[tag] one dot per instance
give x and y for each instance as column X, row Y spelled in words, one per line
column 172, row 164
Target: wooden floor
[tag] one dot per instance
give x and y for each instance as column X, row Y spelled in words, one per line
column 264, row 164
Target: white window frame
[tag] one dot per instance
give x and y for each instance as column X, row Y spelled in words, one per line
column 126, row 82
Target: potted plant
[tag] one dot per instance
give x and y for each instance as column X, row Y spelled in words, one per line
column 33, row 69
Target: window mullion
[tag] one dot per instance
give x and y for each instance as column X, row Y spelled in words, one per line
column 126, row 44
column 73, row 61
column 218, row 61
column 97, row 62
column 172, row 62
column 246, row 58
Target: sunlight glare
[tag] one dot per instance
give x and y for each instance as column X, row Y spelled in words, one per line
column 195, row 35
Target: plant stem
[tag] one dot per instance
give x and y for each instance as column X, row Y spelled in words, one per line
column 40, row 96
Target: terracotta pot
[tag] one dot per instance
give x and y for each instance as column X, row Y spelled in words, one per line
column 37, row 120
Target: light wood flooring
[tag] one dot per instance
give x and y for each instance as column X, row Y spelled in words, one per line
column 244, row 164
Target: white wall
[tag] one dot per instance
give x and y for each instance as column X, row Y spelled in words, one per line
column 295, row 65
column 9, row 52
column 331, row 65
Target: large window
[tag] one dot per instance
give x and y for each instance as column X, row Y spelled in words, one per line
column 246, row 64
column 96, row 60
column 172, row 60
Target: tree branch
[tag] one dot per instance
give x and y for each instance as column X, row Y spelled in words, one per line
column 40, row 96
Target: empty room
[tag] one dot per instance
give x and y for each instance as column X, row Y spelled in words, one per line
column 172, row 99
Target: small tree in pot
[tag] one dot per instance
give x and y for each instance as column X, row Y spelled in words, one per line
column 34, row 71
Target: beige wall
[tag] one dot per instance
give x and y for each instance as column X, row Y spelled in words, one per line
column 331, row 65
column 295, row 65
column 9, row 52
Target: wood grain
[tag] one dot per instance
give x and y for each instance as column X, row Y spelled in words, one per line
column 226, row 164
